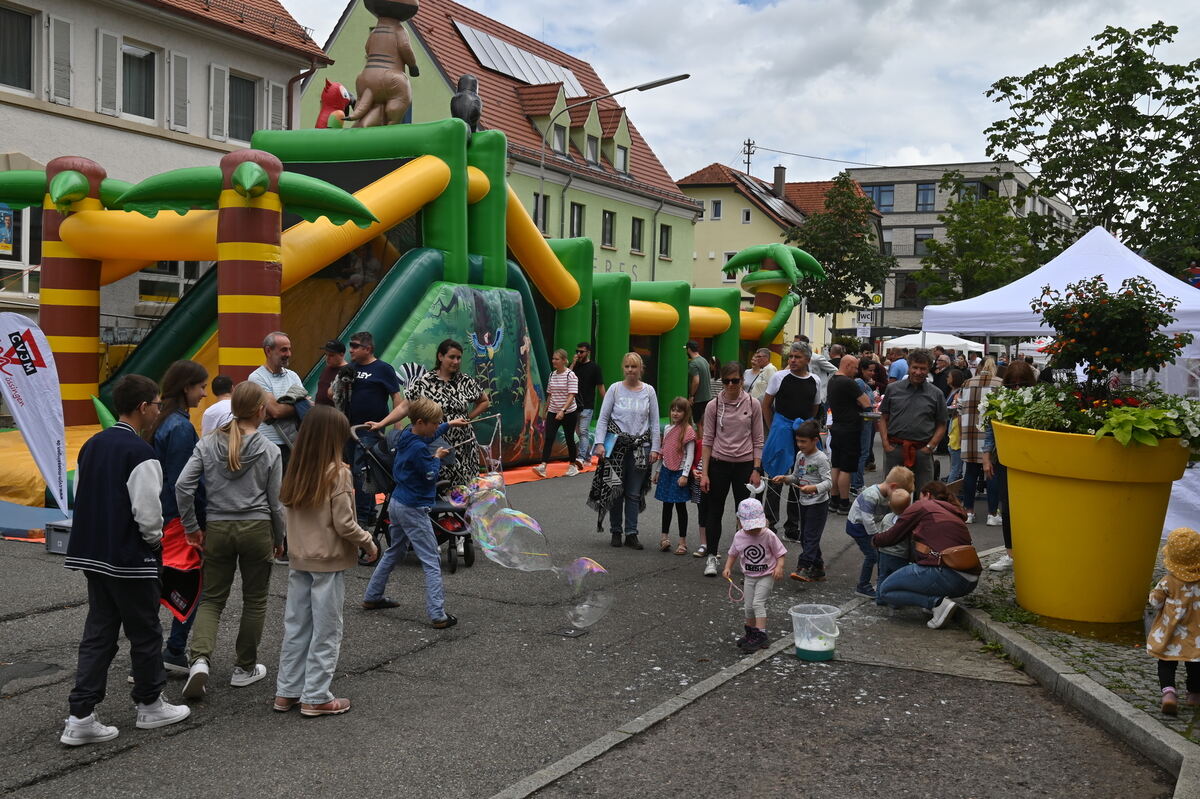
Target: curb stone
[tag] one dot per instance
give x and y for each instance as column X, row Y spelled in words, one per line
column 1162, row 746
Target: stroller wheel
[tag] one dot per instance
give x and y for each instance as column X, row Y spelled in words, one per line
column 381, row 543
column 468, row 552
column 451, row 555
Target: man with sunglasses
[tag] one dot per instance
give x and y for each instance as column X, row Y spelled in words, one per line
column 793, row 396
column 591, row 380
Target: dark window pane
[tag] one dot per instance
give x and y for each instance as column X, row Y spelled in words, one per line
column 137, row 95
column 242, row 114
column 16, row 49
column 926, row 192
column 635, row 235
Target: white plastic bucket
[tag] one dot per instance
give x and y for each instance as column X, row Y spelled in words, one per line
column 815, row 629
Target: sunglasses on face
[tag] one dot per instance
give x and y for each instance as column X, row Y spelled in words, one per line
column 354, row 345
column 731, row 381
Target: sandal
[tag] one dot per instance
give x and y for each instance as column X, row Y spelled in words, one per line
column 682, row 548
column 664, row 544
column 701, row 552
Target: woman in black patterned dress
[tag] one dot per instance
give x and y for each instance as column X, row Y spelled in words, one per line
column 461, row 397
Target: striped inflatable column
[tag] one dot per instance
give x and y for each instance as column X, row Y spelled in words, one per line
column 768, row 294
column 70, row 297
column 249, row 270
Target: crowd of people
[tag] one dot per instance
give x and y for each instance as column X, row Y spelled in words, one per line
column 276, row 476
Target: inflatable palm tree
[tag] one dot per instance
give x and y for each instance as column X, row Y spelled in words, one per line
column 772, row 272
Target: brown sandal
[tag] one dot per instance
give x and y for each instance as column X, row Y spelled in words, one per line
column 664, row 544
column 682, row 548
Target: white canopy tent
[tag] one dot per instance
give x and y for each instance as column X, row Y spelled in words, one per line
column 944, row 340
column 1006, row 311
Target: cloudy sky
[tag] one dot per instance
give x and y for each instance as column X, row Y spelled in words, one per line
column 885, row 82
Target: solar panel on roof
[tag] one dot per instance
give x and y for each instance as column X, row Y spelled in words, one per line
column 508, row 59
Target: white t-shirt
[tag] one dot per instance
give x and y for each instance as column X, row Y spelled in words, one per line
column 756, row 385
column 216, row 415
column 276, row 385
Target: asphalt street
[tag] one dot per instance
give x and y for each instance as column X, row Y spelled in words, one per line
column 470, row 711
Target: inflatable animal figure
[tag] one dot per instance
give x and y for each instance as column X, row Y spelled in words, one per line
column 336, row 102
column 466, row 105
column 384, row 93
column 533, row 403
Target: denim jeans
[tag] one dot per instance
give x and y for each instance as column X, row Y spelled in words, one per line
column 870, row 557
column 177, row 640
column 770, row 501
column 956, row 465
column 312, row 635
column 923, row 586
column 411, row 525
column 866, row 447
column 584, row 429
column 888, row 565
column 364, row 501
column 971, row 474
column 812, row 525
column 234, row 546
column 623, row 515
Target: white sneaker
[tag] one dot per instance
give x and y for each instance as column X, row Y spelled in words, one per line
column 970, row 518
column 994, row 520
column 540, row 470
column 572, row 470
column 197, row 680
column 241, row 678
column 1003, row 563
column 941, row 612
column 89, row 730
column 710, row 566
column 160, row 713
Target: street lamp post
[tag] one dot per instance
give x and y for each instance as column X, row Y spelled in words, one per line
column 641, row 87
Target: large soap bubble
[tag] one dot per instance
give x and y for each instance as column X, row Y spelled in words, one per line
column 589, row 591
column 514, row 540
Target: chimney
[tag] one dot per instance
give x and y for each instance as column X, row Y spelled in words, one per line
column 780, row 179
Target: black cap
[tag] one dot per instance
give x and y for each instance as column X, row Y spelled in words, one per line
column 334, row 346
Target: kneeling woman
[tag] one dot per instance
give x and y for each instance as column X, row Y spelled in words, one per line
column 945, row 562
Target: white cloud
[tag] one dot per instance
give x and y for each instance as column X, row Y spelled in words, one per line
column 878, row 81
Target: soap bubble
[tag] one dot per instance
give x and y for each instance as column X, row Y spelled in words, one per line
column 513, row 539
column 589, row 591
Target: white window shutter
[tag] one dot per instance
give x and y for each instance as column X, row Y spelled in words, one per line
column 108, row 73
column 179, row 92
column 276, row 105
column 218, row 102
column 60, row 61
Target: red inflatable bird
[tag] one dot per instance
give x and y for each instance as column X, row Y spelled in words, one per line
column 336, row 101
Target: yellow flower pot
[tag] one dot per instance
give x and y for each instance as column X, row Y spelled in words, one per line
column 1086, row 517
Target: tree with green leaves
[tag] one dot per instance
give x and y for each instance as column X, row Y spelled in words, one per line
column 843, row 238
column 1113, row 131
column 986, row 243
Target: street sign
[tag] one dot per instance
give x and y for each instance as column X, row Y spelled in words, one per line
column 863, row 333
column 877, row 299
column 866, row 318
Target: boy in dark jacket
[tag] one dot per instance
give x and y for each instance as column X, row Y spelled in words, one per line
column 415, row 470
column 115, row 541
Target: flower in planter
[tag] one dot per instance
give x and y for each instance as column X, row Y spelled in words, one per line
column 1107, row 333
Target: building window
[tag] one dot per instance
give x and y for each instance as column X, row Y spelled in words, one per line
column 137, row 81
column 920, row 236
column 541, row 212
column 622, row 160
column 926, row 192
column 576, row 220
column 700, row 215
column 745, row 216
column 593, row 150
column 608, row 224
column 882, row 196
column 887, row 242
column 16, row 49
column 560, row 139
column 727, row 278
column 664, row 241
column 636, row 227
column 716, row 210
column 908, row 291
column 242, row 110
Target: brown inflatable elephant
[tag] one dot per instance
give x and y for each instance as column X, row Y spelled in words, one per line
column 384, row 93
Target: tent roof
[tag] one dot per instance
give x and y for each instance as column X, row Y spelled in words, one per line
column 1006, row 311
column 927, row 339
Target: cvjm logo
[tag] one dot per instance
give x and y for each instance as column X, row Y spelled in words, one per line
column 24, row 351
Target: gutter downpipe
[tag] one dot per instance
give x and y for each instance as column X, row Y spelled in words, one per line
column 654, row 239
column 562, row 205
column 291, row 85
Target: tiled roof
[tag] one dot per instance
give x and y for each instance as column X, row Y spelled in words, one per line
column 610, row 118
column 538, row 100
column 265, row 20
column 506, row 101
column 757, row 191
column 711, row 175
column 809, row 196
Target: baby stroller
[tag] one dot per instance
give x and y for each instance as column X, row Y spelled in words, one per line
column 450, row 522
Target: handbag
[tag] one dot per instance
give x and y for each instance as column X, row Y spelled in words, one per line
column 961, row 558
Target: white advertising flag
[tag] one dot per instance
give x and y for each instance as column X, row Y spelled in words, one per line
column 29, row 382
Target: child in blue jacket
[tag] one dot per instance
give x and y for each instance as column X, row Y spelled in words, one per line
column 415, row 471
